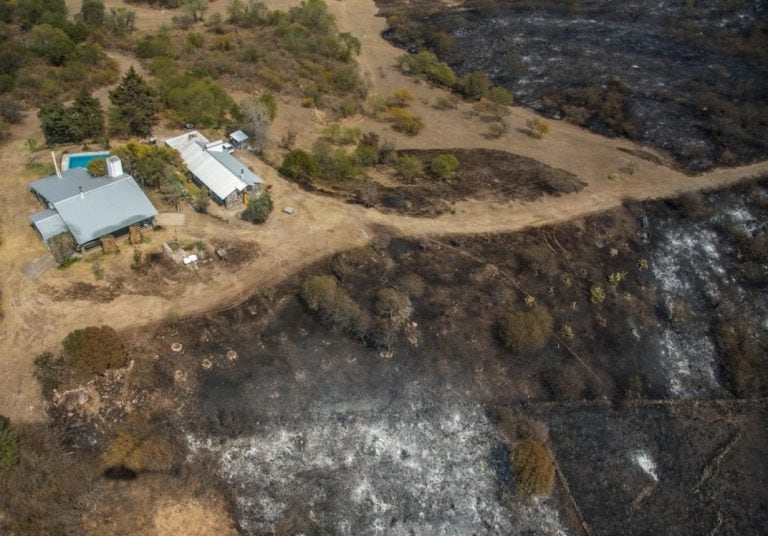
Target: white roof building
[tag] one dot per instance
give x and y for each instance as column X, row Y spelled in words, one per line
column 223, row 174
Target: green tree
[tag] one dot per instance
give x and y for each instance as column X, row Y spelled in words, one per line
column 134, row 108
column 60, row 124
column 299, row 164
column 90, row 114
column 444, row 165
column 259, row 208
column 201, row 102
column 92, row 13
column 50, row 43
column 31, row 12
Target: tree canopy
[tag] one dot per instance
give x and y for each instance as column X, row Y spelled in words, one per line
column 134, row 107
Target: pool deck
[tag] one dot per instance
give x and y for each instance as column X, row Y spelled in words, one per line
column 65, row 158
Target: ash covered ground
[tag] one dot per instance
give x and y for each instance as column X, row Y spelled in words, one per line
column 655, row 407
column 688, row 78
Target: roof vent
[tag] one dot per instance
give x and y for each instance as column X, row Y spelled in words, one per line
column 114, row 167
column 82, row 196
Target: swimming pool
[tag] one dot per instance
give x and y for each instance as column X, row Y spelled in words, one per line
column 80, row 159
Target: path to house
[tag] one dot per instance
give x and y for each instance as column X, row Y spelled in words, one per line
column 35, row 321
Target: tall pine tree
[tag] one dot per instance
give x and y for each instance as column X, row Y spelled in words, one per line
column 134, row 108
column 90, row 114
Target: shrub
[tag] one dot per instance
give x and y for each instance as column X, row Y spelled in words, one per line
column 741, row 358
column 259, row 208
column 338, row 135
column 400, row 98
column 93, row 350
column 409, row 167
column 141, row 444
column 336, row 165
column 318, row 290
column 97, row 167
column 9, row 444
column 597, row 294
column 299, row 164
column 405, row 122
column 535, row 467
column 201, row 201
column 615, row 177
column 336, row 309
column 500, row 96
column 476, row 85
column 617, row 277
column 427, row 65
column 366, row 155
column 393, row 306
column 525, row 331
column 49, row 372
column 412, row 284
column 537, row 128
column 447, row 102
column 444, row 165
column 62, row 247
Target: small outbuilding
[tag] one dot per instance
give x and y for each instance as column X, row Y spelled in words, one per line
column 238, row 138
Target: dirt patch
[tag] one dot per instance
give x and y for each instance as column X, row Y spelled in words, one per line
column 486, row 175
column 193, row 518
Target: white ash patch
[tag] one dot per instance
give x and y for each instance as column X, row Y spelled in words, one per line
column 688, row 267
column 644, row 461
column 424, row 472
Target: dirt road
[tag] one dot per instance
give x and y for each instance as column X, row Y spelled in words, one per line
column 34, row 321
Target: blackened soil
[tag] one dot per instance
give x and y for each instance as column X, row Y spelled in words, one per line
column 397, row 437
column 690, row 78
column 483, row 174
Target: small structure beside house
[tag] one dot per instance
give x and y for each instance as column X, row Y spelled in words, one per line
column 211, row 165
column 238, row 138
column 90, row 207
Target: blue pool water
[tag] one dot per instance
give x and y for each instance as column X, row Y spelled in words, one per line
column 81, row 159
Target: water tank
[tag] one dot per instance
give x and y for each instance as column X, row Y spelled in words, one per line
column 114, row 167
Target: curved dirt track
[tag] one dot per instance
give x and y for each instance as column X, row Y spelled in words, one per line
column 321, row 225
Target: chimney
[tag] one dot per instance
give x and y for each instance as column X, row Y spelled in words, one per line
column 242, row 174
column 114, row 167
column 82, row 196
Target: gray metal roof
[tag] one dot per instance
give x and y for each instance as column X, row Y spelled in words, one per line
column 115, row 205
column 55, row 189
column 238, row 136
column 237, row 167
column 48, row 223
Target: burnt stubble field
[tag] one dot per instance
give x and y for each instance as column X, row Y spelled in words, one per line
column 652, row 401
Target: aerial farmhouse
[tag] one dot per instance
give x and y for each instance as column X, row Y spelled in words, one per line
column 90, row 207
column 212, row 165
